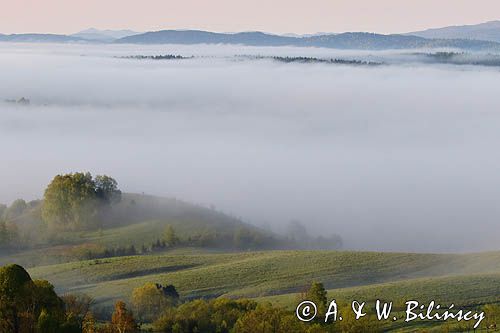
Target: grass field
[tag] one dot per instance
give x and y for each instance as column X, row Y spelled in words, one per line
column 463, row 279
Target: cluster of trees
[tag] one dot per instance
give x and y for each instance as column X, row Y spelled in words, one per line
column 78, row 201
column 158, row 57
column 32, row 306
column 326, row 61
column 224, row 315
column 9, row 230
column 9, row 235
column 16, row 209
column 28, row 305
column 242, row 238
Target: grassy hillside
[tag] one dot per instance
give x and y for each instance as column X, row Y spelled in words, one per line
column 138, row 211
column 275, row 276
column 138, row 220
column 474, row 277
column 461, row 290
column 465, row 291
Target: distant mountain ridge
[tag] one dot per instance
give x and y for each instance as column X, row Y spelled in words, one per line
column 489, row 31
column 349, row 40
column 93, row 34
column 39, row 38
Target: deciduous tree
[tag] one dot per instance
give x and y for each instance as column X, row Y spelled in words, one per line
column 122, row 319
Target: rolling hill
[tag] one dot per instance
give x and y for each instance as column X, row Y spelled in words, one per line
column 106, row 36
column 138, row 220
column 39, row 38
column 489, row 31
column 350, row 40
column 465, row 279
column 276, row 276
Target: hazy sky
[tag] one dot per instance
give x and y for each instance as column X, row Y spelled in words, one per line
column 67, row 16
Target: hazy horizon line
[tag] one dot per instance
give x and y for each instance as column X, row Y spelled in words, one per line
column 270, row 32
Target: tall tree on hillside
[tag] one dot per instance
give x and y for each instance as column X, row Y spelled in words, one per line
column 73, row 201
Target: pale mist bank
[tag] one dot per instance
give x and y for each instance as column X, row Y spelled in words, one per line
column 393, row 158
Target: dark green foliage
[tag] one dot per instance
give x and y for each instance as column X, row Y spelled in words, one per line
column 313, row 60
column 47, row 323
column 27, row 305
column 106, row 189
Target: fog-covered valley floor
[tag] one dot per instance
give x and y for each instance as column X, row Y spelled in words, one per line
column 398, row 157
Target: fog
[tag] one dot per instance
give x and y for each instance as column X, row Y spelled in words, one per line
column 402, row 157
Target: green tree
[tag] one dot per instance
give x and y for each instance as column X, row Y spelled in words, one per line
column 318, row 295
column 170, row 236
column 14, row 296
column 264, row 319
column 349, row 323
column 22, row 302
column 47, row 323
column 74, row 201
column 150, row 300
column 107, row 190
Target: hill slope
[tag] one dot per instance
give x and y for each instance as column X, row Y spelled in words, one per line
column 254, row 274
column 39, row 38
column 489, row 31
column 93, row 34
column 351, row 40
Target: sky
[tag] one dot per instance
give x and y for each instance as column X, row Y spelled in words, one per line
column 278, row 16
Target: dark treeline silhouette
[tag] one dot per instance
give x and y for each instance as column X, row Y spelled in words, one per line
column 314, row 60
column 157, row 57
